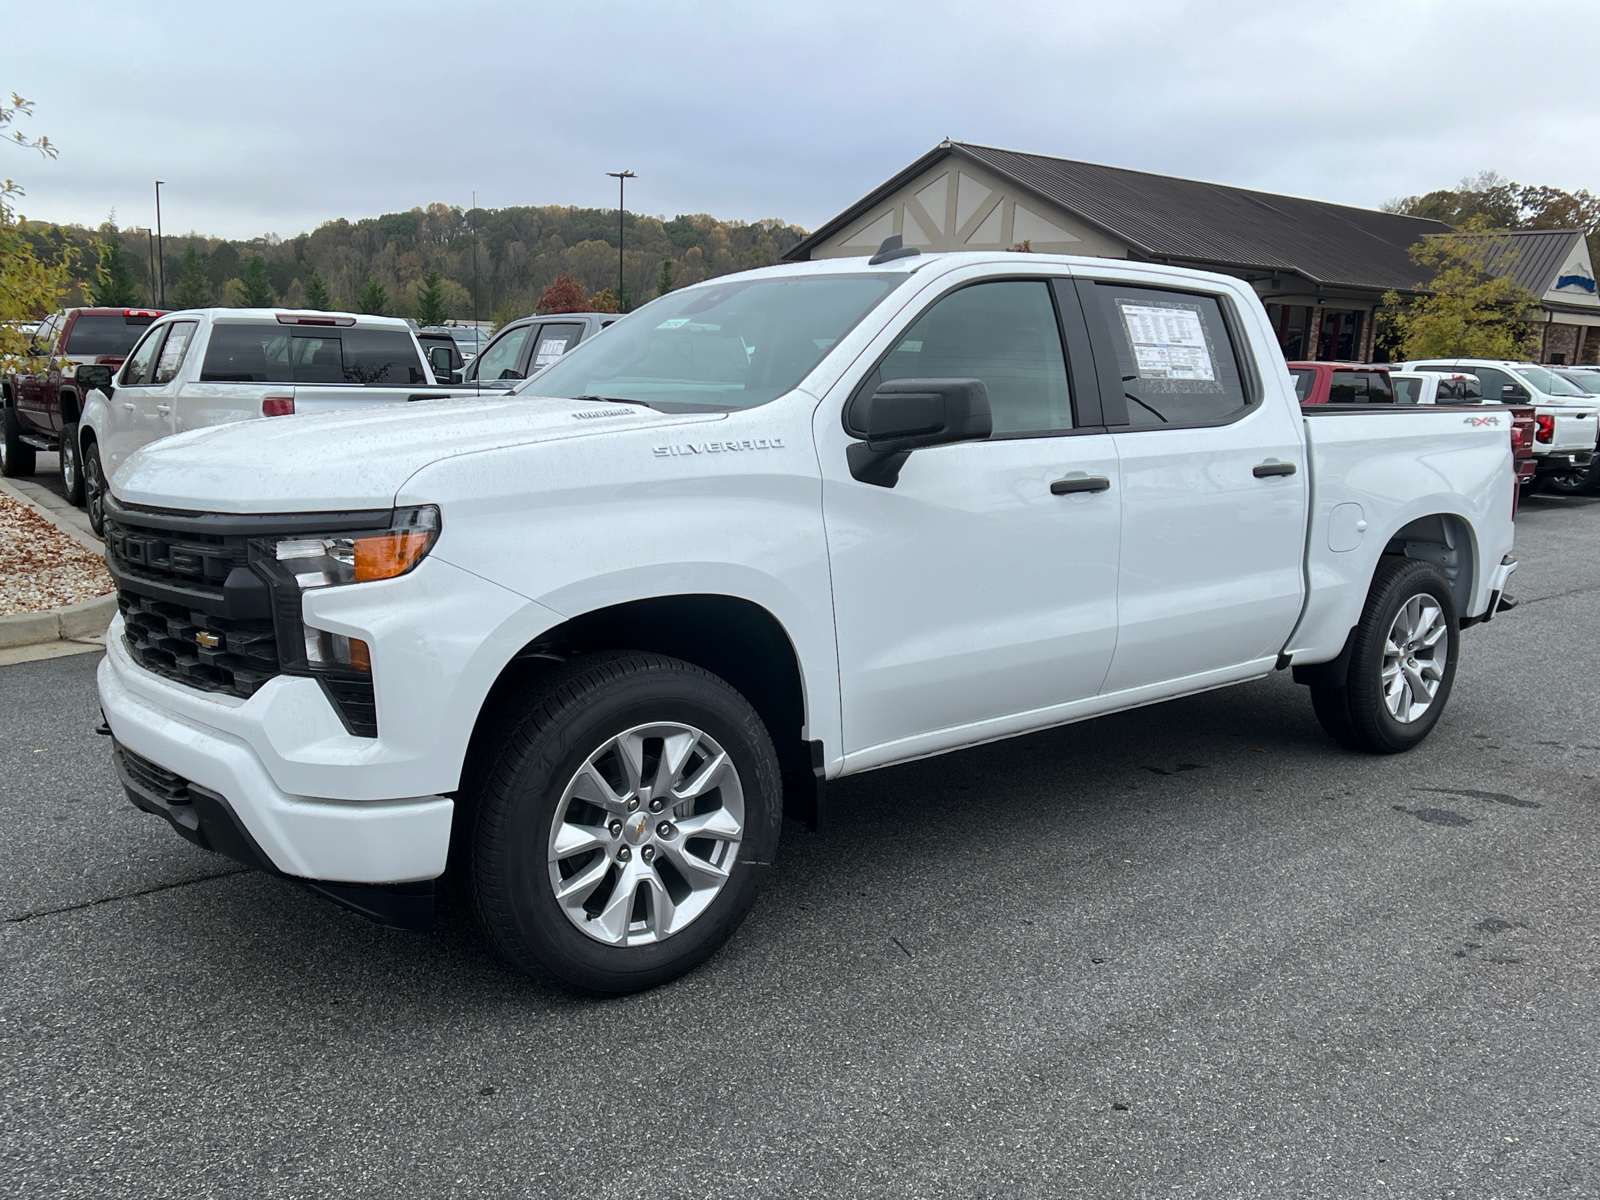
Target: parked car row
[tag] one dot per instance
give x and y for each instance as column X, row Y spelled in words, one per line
column 1566, row 414
column 591, row 639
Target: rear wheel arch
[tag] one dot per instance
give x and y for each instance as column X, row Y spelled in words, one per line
column 1446, row 540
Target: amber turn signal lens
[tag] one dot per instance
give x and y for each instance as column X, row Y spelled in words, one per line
column 389, row 554
column 360, row 656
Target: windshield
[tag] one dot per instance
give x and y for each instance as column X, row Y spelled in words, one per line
column 1549, row 382
column 734, row 344
column 1304, row 380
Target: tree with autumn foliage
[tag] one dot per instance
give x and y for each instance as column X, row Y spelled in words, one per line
column 1464, row 310
column 565, row 295
column 30, row 287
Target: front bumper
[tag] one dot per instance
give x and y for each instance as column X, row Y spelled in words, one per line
column 210, row 822
column 340, row 841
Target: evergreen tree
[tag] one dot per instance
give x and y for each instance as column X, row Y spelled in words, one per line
column 194, row 289
column 114, row 285
column 431, row 308
column 374, row 299
column 255, row 288
column 317, row 294
column 665, row 283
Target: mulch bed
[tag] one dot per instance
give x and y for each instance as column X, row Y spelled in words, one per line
column 41, row 567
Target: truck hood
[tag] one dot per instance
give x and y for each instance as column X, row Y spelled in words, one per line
column 353, row 458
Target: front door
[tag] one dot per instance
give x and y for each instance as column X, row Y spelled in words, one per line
column 140, row 410
column 1214, row 488
column 970, row 592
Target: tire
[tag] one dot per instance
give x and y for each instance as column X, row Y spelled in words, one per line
column 94, row 487
column 1583, row 481
column 1369, row 712
column 71, row 467
column 642, row 902
column 17, row 459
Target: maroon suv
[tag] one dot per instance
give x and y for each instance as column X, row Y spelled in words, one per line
column 41, row 396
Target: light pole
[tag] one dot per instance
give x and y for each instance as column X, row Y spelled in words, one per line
column 161, row 253
column 622, row 178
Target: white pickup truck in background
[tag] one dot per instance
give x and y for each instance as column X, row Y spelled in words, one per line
column 1567, row 419
column 588, row 641
column 215, row 366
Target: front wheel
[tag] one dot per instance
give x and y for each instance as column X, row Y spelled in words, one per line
column 71, row 468
column 1402, row 664
column 624, row 813
column 94, row 488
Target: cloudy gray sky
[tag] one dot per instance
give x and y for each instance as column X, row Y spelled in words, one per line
column 276, row 117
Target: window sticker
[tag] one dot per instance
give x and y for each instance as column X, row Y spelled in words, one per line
column 549, row 350
column 1168, row 343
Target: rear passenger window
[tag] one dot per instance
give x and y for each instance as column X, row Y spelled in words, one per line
column 1004, row 333
column 174, row 350
column 1378, row 389
column 1347, row 387
column 1407, row 391
column 274, row 354
column 1174, row 354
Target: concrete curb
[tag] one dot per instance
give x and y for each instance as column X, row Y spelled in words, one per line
column 85, row 619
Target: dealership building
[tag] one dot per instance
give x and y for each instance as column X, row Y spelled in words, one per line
column 1321, row 269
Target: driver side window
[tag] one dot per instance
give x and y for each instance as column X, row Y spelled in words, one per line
column 1004, row 333
column 499, row 361
column 138, row 370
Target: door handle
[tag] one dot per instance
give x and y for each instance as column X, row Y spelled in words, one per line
column 126, row 407
column 1080, row 483
column 163, row 409
column 1267, row 469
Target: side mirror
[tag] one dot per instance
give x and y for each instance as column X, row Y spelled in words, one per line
column 92, row 377
column 909, row 414
column 443, row 361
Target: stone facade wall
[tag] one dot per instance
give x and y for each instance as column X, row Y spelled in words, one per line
column 1560, row 340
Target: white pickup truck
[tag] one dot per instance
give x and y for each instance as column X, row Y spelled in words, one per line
column 588, row 642
column 214, row 366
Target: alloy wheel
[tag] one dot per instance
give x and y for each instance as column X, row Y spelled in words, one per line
column 94, row 489
column 646, row 834
column 1414, row 654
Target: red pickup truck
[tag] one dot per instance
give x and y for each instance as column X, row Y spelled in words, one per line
column 41, row 396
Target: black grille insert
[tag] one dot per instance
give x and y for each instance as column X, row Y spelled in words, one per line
column 218, row 654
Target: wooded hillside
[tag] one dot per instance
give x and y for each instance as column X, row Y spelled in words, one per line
column 519, row 252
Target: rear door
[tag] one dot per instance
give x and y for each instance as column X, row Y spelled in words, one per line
column 1213, row 479
column 552, row 341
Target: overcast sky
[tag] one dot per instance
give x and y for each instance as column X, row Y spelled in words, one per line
column 276, row 117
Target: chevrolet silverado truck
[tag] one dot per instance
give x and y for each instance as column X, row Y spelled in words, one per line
column 215, row 366
column 587, row 643
column 42, row 397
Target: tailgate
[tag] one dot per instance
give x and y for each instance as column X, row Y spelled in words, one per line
column 1575, row 429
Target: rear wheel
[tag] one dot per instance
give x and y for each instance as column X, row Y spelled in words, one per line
column 71, row 468
column 16, row 457
column 1578, row 481
column 624, row 813
column 1402, row 664
column 94, row 487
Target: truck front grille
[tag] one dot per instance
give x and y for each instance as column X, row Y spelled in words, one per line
column 217, row 654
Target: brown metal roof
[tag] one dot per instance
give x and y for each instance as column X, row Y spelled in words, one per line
column 1186, row 220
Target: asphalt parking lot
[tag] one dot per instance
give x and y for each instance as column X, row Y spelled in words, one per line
column 1197, row 950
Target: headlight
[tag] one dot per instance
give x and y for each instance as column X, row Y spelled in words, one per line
column 333, row 560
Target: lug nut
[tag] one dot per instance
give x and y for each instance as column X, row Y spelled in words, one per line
column 665, row 829
column 624, row 854
column 616, row 828
column 656, row 806
column 648, row 853
column 633, row 803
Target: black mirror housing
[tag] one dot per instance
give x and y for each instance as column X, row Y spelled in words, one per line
column 908, row 414
column 92, row 376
